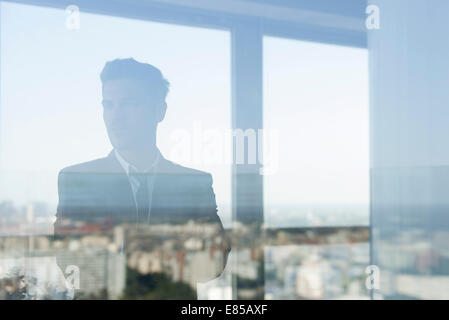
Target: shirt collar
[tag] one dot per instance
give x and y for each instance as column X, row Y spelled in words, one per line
column 126, row 165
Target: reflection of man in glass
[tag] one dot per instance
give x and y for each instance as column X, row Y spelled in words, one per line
column 135, row 186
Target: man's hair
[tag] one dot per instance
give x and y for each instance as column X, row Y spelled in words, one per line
column 148, row 74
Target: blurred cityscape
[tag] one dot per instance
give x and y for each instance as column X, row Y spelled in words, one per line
column 183, row 261
column 116, row 260
column 103, row 253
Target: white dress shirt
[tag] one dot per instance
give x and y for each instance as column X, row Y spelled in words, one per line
column 150, row 170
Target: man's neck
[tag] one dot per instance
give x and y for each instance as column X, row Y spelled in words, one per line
column 141, row 159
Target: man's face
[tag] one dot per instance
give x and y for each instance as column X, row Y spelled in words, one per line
column 131, row 113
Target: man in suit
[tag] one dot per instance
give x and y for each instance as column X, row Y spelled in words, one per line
column 135, row 185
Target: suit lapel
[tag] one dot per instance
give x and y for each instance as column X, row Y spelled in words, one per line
column 118, row 190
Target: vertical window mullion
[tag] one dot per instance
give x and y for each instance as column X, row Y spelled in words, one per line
column 247, row 182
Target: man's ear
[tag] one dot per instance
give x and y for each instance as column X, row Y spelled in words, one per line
column 161, row 110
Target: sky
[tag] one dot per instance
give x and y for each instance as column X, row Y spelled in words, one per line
column 315, row 97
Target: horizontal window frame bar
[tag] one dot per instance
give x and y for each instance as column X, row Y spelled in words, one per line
column 201, row 18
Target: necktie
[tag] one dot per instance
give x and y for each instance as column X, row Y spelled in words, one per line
column 142, row 197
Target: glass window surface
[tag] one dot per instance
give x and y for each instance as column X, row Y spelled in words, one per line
column 52, row 118
column 316, row 121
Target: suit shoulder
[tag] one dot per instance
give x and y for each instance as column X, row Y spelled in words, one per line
column 93, row 166
column 174, row 168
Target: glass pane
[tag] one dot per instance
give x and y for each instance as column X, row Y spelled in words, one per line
column 52, row 118
column 410, row 158
column 316, row 101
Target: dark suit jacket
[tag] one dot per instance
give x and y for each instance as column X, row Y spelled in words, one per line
column 99, row 192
